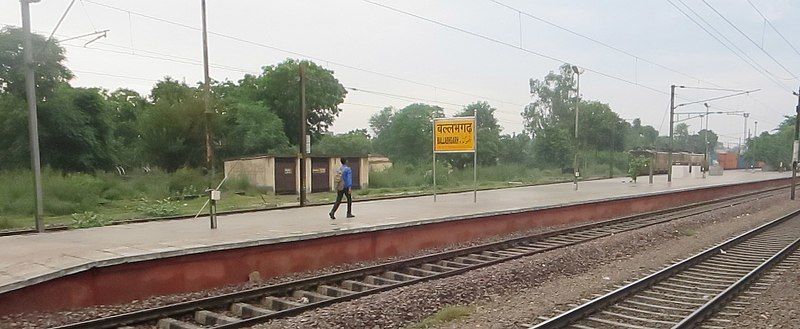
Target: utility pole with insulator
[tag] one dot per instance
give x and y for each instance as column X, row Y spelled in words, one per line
column 207, row 98
column 33, row 122
column 303, row 128
column 671, row 123
column 796, row 145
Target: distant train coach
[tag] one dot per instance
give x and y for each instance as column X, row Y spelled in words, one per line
column 661, row 160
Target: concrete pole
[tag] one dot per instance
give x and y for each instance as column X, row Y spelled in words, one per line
column 33, row 122
column 577, row 144
column 796, row 146
column 303, row 127
column 207, row 98
column 671, row 123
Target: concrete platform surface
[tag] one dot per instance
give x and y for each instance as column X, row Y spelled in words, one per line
column 33, row 258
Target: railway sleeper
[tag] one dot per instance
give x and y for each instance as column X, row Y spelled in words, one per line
column 333, row 291
column 358, row 286
column 420, row 272
column 379, row 281
column 245, row 310
column 397, row 276
column 451, row 264
column 436, row 268
column 170, row 323
column 209, row 318
column 278, row 304
column 469, row 260
column 312, row 297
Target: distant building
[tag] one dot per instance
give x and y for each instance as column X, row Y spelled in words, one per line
column 278, row 174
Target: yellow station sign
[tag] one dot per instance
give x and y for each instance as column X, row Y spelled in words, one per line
column 454, row 135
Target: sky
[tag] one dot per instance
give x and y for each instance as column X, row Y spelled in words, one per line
column 451, row 53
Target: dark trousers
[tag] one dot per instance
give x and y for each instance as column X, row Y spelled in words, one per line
column 339, row 195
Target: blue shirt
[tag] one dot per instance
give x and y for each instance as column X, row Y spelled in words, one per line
column 347, row 176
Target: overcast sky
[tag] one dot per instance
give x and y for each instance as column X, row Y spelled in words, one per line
column 377, row 49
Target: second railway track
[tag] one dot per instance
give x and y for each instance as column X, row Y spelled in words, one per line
column 689, row 293
column 258, row 305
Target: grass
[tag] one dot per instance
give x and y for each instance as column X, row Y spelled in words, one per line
column 445, row 315
column 109, row 197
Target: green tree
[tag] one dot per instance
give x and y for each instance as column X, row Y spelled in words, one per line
column 173, row 130
column 251, row 128
column 409, row 137
column 278, row 87
column 125, row 106
column 514, row 149
column 48, row 58
column 355, row 142
column 775, row 148
column 488, row 136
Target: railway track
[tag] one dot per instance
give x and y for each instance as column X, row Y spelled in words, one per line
column 699, row 292
column 258, row 305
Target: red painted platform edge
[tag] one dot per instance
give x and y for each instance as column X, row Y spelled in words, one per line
column 195, row 272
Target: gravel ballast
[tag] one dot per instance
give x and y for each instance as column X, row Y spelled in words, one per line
column 515, row 293
column 488, row 288
column 776, row 307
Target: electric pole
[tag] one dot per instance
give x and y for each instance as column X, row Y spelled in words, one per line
column 575, row 171
column 207, row 98
column 33, row 122
column 671, row 123
column 796, row 146
column 303, row 127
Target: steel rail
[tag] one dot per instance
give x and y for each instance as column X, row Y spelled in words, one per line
column 600, row 303
column 634, row 222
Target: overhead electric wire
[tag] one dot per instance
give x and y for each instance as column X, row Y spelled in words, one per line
column 750, row 39
column 774, row 28
column 129, row 12
column 604, row 44
column 491, row 39
column 263, row 45
column 758, row 68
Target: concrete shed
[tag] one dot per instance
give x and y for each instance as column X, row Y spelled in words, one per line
column 279, row 174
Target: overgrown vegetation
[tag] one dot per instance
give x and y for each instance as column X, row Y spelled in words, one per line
column 120, row 154
column 445, row 315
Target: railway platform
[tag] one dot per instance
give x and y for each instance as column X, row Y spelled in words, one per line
column 92, row 266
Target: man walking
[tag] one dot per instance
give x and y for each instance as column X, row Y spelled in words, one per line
column 344, row 184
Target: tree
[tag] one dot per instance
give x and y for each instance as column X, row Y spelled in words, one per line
column 353, row 143
column 381, row 120
column 775, row 148
column 409, row 138
column 514, row 149
column 47, row 57
column 173, row 130
column 125, row 106
column 639, row 136
column 251, row 128
column 488, row 135
column 278, row 87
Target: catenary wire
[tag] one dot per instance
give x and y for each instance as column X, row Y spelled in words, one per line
column 750, row 39
column 774, row 28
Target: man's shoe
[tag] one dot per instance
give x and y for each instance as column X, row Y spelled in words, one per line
column 330, row 214
column 350, row 216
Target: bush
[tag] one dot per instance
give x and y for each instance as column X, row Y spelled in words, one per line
column 186, row 181
column 158, row 208
column 88, row 219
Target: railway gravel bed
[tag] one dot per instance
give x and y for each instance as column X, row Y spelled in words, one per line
column 777, row 306
column 42, row 320
column 515, row 292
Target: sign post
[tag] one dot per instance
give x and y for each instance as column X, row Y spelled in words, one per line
column 456, row 135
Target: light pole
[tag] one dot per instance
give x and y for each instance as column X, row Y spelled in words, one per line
column 575, row 170
column 33, row 122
